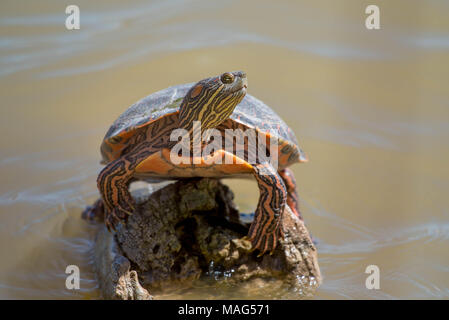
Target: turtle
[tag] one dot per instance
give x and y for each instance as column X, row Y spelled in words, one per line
column 140, row 146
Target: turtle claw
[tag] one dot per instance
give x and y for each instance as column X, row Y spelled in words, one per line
column 122, row 212
column 110, row 226
column 254, row 247
column 110, row 222
column 115, row 216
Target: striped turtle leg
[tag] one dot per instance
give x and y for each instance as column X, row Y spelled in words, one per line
column 113, row 184
column 292, row 195
column 266, row 228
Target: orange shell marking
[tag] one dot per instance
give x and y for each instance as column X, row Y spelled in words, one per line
column 159, row 163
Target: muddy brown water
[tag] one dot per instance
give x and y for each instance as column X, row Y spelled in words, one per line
column 370, row 108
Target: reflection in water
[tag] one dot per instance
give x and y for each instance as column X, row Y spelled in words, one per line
column 370, row 108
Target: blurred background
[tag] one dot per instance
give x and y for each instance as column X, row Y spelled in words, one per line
column 369, row 107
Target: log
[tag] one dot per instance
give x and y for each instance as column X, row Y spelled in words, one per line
column 190, row 230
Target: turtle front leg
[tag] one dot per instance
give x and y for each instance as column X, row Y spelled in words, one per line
column 292, row 194
column 113, row 184
column 266, row 227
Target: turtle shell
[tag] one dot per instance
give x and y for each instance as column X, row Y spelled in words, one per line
column 250, row 112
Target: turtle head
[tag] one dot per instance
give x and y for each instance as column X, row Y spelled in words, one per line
column 211, row 101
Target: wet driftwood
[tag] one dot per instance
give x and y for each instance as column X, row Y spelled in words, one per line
column 189, row 229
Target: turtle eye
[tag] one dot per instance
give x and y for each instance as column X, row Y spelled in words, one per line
column 227, row 78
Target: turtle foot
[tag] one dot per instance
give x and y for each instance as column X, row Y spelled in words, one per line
column 119, row 213
column 265, row 242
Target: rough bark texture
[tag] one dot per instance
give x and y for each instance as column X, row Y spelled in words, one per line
column 189, row 229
